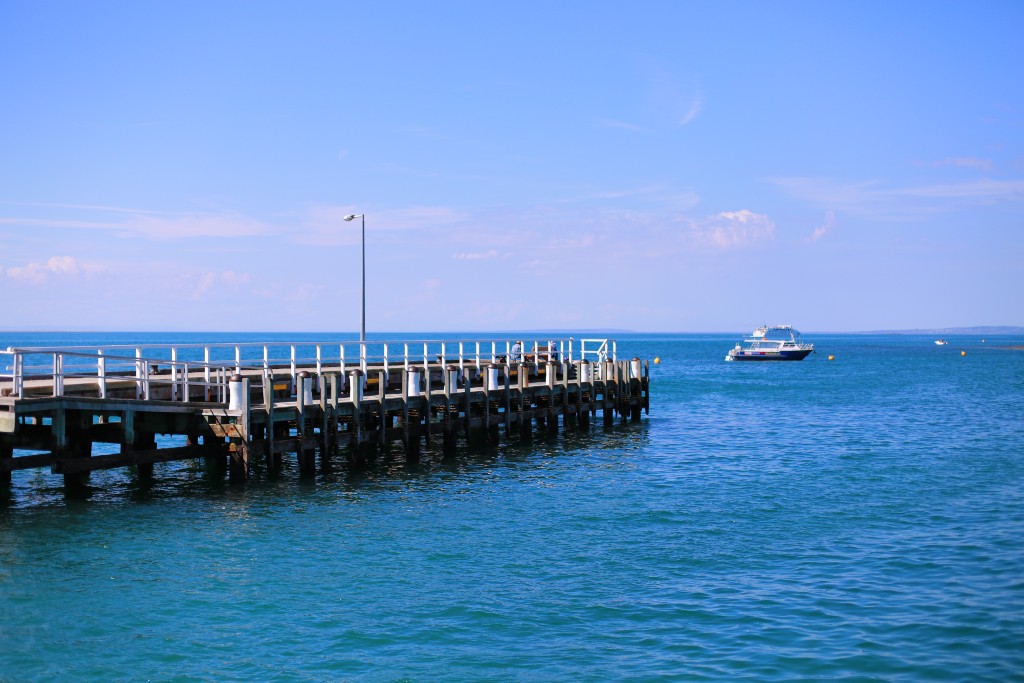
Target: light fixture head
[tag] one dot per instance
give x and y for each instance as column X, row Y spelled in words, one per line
column 350, row 216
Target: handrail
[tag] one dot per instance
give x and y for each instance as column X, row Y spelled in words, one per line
column 173, row 364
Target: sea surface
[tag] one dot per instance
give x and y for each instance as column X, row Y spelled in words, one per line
column 860, row 519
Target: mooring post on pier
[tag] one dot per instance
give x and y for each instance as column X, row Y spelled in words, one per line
column 238, row 446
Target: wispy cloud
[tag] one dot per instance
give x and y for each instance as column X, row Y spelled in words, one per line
column 64, row 267
column 325, row 225
column 734, row 230
column 226, row 280
column 821, row 230
column 694, row 111
column 476, row 255
column 151, row 224
column 962, row 162
column 873, row 198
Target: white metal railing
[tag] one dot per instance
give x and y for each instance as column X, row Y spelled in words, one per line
column 182, row 367
column 98, row 373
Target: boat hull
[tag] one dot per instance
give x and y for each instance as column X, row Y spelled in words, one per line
column 799, row 354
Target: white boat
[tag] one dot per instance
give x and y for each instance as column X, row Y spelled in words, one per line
column 941, row 342
column 772, row 342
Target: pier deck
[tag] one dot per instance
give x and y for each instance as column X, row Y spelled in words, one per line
column 56, row 403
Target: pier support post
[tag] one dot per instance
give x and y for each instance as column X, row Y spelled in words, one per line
column 6, row 456
column 71, row 442
column 357, row 454
column 491, row 385
column 467, row 406
column 306, row 448
column 451, row 386
column 145, row 441
column 551, row 374
column 238, row 448
column 525, row 423
column 272, row 430
column 425, row 406
column 329, row 431
column 410, row 433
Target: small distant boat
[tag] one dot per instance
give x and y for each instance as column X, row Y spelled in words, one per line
column 772, row 342
column 941, row 342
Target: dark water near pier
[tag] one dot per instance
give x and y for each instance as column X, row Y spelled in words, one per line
column 861, row 519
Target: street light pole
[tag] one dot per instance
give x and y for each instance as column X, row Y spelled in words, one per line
column 362, row 324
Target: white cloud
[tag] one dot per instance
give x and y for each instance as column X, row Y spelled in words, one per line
column 476, row 256
column 821, row 230
column 228, row 280
column 734, row 230
column 55, row 267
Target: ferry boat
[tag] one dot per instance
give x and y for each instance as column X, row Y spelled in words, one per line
column 941, row 342
column 772, row 342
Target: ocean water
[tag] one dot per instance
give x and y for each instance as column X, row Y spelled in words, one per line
column 854, row 520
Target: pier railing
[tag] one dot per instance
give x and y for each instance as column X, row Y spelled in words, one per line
column 177, row 372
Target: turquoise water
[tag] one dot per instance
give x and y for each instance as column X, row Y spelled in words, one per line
column 854, row 520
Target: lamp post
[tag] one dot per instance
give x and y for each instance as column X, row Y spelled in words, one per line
column 362, row 324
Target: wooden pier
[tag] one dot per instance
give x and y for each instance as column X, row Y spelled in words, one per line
column 276, row 400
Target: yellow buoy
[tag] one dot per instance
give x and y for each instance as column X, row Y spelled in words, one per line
column 963, row 353
column 657, row 361
column 831, row 357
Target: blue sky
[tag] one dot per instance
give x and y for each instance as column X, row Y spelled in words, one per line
column 655, row 166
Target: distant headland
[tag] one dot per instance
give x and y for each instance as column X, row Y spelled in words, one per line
column 990, row 330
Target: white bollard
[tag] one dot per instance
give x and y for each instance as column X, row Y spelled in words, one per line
column 235, row 385
column 451, row 373
column 551, row 373
column 492, row 378
column 584, row 371
column 413, row 387
column 307, row 388
column 357, row 383
column 634, row 368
